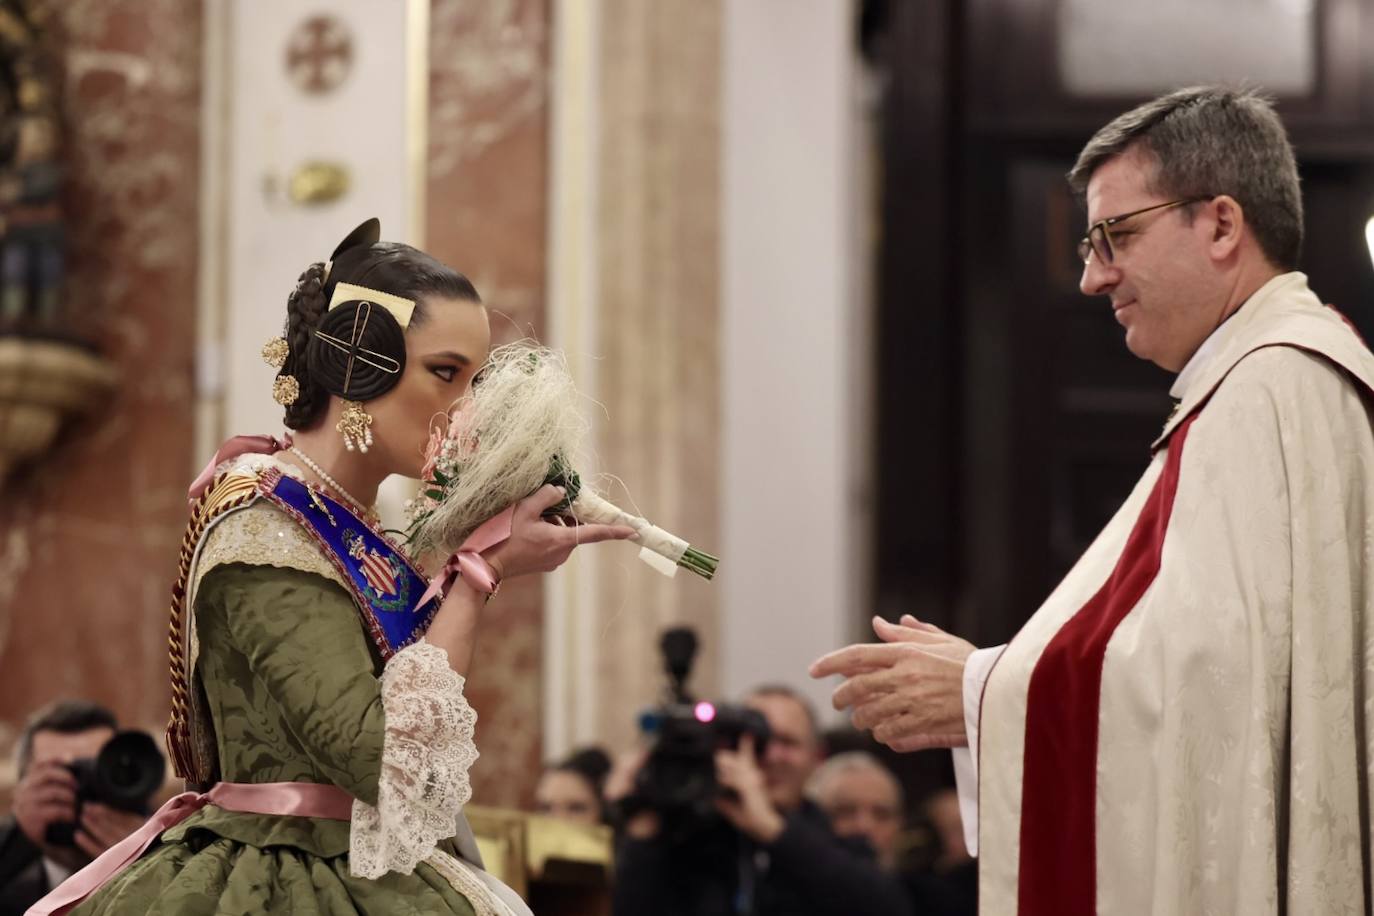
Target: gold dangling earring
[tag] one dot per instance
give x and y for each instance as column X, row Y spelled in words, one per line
column 356, row 426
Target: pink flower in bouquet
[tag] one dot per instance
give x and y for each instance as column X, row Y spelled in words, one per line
column 459, row 432
column 432, row 451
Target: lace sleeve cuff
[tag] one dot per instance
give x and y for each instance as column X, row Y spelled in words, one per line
column 427, row 750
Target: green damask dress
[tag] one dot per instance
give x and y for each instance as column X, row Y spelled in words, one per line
column 297, row 693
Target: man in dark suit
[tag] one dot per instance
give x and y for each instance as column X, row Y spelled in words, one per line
column 30, row 866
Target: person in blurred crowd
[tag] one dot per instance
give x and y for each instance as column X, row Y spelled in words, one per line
column 797, row 865
column 942, row 811
column 31, row 864
column 948, row 884
column 571, row 789
column 863, row 800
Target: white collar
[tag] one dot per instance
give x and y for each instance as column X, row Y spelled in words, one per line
column 1225, row 331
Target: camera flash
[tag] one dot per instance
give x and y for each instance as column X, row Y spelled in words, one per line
column 705, row 712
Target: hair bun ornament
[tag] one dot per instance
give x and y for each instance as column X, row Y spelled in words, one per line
column 285, row 390
column 275, row 351
column 358, row 352
column 368, row 232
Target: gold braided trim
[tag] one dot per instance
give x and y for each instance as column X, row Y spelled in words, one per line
column 226, row 492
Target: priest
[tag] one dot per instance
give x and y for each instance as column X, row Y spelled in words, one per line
column 1183, row 726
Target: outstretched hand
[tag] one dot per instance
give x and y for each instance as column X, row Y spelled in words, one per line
column 539, row 545
column 908, row 689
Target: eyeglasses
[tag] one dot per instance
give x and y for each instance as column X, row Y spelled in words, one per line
column 1099, row 238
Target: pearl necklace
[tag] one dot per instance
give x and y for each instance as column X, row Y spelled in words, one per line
column 368, row 514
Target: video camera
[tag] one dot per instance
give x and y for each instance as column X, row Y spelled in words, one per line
column 124, row 775
column 678, row 780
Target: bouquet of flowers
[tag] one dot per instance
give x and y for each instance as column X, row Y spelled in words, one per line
column 519, row 429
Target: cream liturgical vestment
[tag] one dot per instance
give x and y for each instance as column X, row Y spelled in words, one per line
column 1184, row 726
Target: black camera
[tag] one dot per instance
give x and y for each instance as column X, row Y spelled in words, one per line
column 124, row 775
column 678, row 780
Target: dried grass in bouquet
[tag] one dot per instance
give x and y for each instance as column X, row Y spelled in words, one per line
column 520, row 428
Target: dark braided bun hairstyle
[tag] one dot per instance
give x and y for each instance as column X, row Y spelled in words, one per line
column 361, row 259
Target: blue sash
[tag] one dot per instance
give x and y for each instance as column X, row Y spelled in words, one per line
column 384, row 583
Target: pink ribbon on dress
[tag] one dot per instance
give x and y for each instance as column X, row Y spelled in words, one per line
column 239, row 445
column 296, row 799
column 467, row 561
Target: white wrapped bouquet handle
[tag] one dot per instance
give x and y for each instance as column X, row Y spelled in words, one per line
column 662, row 550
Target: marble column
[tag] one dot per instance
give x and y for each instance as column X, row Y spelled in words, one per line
column 488, row 153
column 636, row 306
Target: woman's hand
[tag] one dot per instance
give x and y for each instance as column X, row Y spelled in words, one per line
column 538, row 545
column 534, row 545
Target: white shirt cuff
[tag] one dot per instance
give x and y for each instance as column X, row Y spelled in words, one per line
column 976, row 671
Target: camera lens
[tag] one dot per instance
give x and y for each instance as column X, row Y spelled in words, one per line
column 128, row 770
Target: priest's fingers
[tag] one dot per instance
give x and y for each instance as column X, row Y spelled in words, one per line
column 853, row 658
column 927, row 742
column 918, row 730
column 929, row 639
column 909, row 629
column 593, row 534
column 880, row 708
column 890, row 632
column 924, row 635
column 910, row 620
column 906, row 725
column 861, row 688
column 867, row 669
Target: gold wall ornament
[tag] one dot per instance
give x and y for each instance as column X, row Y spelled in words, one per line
column 355, row 424
column 285, row 390
column 275, row 351
column 314, row 183
column 44, row 386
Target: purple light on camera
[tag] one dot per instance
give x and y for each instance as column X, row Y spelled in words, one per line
column 704, row 711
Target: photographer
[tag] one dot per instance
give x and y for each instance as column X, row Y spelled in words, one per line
column 46, row 795
column 770, row 852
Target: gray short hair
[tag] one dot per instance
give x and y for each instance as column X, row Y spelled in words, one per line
column 847, row 762
column 782, row 690
column 1209, row 140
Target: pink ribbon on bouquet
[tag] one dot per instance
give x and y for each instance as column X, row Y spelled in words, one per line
column 296, row 799
column 467, row 561
column 239, row 445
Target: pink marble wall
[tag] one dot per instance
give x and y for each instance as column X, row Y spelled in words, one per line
column 488, row 156
column 88, row 538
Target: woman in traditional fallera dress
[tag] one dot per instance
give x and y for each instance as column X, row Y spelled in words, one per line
column 318, row 709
